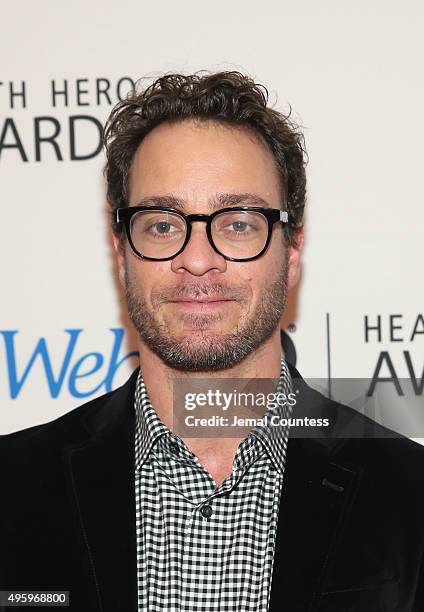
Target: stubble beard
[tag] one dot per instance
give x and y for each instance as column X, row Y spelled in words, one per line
column 205, row 349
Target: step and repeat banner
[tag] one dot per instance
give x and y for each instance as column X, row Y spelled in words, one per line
column 352, row 75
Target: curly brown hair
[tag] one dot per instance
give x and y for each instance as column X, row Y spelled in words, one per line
column 227, row 97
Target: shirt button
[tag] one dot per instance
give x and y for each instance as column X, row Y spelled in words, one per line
column 206, row 511
column 174, row 448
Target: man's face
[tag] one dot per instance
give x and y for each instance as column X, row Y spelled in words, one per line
column 198, row 311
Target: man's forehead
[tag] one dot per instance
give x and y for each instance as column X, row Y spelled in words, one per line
column 212, row 165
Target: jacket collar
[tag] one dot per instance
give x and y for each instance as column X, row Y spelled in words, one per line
column 100, row 472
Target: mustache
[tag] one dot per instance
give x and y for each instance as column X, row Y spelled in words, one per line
column 195, row 290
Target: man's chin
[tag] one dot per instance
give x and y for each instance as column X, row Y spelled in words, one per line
column 188, row 322
column 196, row 333
column 201, row 350
column 201, row 342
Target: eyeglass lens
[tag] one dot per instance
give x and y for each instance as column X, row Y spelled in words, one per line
column 236, row 234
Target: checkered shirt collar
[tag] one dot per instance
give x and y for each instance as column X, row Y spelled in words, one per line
column 151, row 428
column 273, row 437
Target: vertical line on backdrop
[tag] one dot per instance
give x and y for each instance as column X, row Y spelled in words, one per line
column 328, row 354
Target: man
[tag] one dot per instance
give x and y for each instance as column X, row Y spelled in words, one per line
column 207, row 188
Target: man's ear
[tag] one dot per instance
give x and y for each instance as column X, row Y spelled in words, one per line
column 293, row 258
column 120, row 256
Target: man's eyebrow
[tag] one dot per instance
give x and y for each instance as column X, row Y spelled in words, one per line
column 166, row 201
column 219, row 200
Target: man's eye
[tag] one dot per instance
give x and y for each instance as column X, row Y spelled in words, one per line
column 239, row 226
column 162, row 227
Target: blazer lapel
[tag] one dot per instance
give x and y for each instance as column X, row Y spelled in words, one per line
column 100, row 472
column 316, row 495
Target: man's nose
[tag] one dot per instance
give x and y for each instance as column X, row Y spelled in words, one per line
column 199, row 257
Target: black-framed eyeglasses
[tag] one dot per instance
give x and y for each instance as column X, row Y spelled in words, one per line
column 239, row 233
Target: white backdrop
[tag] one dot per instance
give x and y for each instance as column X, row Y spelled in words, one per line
column 352, row 73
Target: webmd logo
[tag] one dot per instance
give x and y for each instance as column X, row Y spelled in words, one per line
column 73, row 370
column 76, row 371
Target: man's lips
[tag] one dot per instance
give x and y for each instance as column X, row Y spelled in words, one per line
column 201, row 300
column 205, row 303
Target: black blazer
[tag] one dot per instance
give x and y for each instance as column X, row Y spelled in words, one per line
column 350, row 531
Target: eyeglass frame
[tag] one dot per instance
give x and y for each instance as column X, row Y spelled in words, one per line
column 272, row 215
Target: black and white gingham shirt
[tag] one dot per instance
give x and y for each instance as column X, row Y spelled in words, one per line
column 203, row 548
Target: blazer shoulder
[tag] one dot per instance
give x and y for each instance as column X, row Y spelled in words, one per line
column 65, row 422
column 357, row 435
